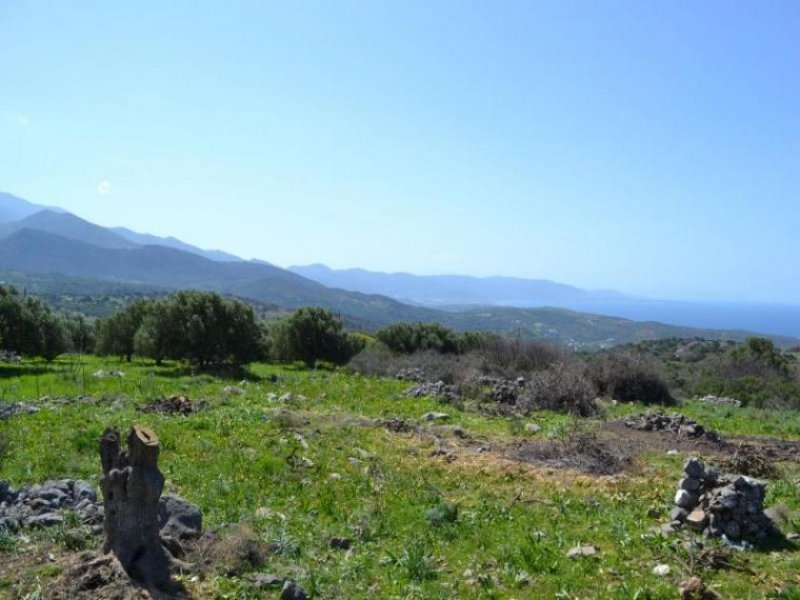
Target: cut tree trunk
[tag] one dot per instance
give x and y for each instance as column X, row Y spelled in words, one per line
column 131, row 485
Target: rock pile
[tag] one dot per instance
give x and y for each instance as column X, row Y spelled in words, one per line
column 43, row 505
column 12, row 409
column 721, row 505
column 678, row 424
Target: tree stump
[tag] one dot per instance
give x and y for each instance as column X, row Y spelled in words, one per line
column 131, row 486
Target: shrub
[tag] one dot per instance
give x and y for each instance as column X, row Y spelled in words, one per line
column 407, row 338
column 629, row 377
column 509, row 358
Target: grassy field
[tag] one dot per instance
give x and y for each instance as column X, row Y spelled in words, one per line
column 295, row 457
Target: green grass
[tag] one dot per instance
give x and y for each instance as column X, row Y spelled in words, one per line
column 302, row 471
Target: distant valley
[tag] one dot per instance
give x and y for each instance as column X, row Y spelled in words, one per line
column 72, row 262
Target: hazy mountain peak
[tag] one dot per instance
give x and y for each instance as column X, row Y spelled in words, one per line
column 13, row 208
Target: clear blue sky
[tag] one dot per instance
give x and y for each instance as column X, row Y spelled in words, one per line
column 651, row 147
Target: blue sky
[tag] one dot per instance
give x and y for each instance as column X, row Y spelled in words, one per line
column 651, row 147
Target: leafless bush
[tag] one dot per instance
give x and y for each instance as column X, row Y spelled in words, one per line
column 562, row 387
column 452, row 369
column 509, row 358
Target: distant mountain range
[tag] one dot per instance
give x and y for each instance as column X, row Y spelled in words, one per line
column 455, row 290
column 61, row 256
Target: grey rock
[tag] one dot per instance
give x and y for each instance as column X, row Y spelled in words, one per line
column 678, row 514
column 690, row 484
column 9, row 524
column 582, row 551
column 732, row 530
column 292, row 591
column 83, row 490
column 694, row 468
column 686, row 499
column 44, row 520
column 178, row 518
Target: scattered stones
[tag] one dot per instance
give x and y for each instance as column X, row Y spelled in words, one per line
column 174, row 405
column 438, row 389
column 12, row 409
column 678, row 424
column 721, row 400
column 582, row 551
column 727, row 506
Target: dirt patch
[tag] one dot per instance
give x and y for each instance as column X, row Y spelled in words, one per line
column 662, row 441
column 174, row 405
column 584, row 451
column 90, row 575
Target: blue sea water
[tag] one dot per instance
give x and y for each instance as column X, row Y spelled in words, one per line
column 776, row 319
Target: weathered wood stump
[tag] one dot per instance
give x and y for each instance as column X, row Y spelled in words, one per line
column 131, row 485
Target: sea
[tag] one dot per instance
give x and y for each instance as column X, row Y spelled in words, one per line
column 775, row 319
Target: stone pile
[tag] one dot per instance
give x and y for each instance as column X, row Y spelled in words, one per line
column 12, row 409
column 43, row 505
column 678, row 424
column 721, row 505
column 721, row 400
column 506, row 391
